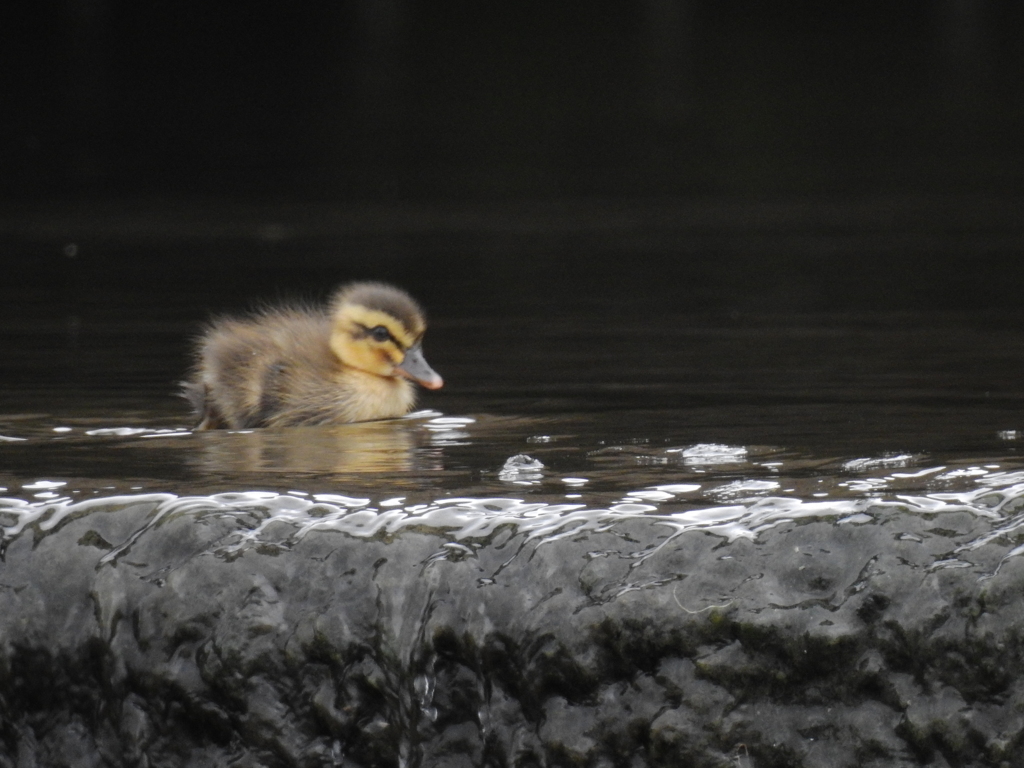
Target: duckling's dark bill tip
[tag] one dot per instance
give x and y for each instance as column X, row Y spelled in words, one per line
column 429, row 380
column 415, row 367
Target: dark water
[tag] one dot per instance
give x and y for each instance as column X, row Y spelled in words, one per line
column 584, row 400
column 614, row 395
column 643, row 384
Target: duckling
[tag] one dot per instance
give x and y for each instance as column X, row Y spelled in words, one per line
column 353, row 360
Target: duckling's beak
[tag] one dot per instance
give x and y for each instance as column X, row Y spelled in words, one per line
column 415, row 367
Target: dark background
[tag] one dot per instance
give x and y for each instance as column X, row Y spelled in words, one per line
column 452, row 100
column 571, row 171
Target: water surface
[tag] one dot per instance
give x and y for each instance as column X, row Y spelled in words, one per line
column 723, row 494
column 581, row 413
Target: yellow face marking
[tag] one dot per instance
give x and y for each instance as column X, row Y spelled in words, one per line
column 353, row 342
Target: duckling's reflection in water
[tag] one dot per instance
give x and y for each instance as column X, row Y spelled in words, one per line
column 372, row 447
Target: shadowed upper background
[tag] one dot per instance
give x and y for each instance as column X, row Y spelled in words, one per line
column 774, row 155
column 455, row 100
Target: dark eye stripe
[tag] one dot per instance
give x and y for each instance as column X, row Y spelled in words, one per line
column 379, row 333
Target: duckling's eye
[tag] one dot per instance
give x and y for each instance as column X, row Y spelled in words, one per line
column 380, row 333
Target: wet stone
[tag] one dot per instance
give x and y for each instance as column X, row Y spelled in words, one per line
column 203, row 635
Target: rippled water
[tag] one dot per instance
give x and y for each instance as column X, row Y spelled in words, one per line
column 544, row 477
column 555, row 419
column 720, row 461
column 615, row 405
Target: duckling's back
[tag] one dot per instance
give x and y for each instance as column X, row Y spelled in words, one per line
column 244, row 367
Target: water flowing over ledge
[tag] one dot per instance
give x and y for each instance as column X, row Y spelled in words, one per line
column 281, row 520
column 281, row 629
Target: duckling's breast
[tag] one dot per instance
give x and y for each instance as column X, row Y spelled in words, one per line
column 304, row 394
column 366, row 396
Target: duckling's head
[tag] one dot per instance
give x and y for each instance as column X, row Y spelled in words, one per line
column 379, row 329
